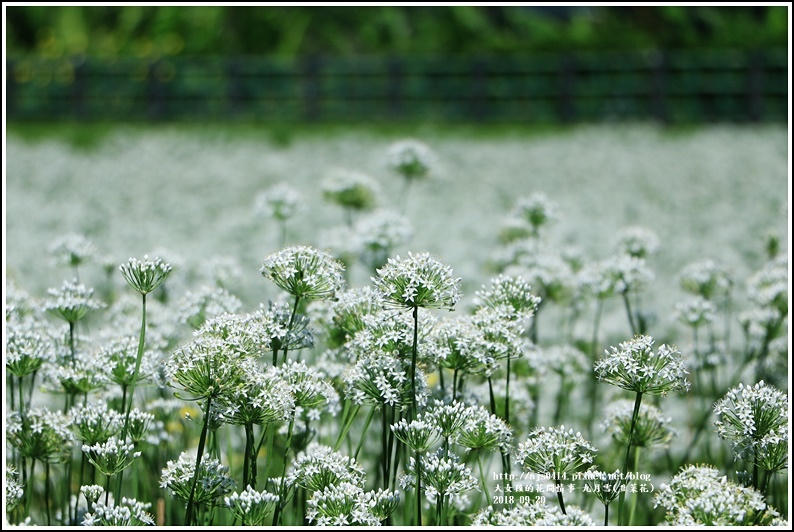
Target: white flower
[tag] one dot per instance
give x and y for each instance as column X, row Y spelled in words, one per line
column 411, row 159
column 635, row 367
column 755, row 419
column 304, row 272
column 637, row 241
column 213, row 479
column 554, row 450
column 72, row 250
column 319, row 466
column 280, row 201
column 146, row 275
column 251, row 506
column 695, row 311
column 72, row 302
column 705, row 278
column 351, row 189
column 418, row 281
column 651, row 427
column 698, row 496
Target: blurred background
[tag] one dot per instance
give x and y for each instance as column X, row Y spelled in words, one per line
column 500, row 64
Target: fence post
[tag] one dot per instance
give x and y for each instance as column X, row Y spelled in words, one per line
column 566, row 108
column 659, row 86
column 755, row 85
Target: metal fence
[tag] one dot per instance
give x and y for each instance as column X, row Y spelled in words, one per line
column 680, row 87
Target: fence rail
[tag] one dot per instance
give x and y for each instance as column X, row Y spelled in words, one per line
column 735, row 86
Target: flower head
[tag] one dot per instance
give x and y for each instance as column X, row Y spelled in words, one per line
column 213, row 479
column 72, row 250
column 351, row 189
column 698, row 495
column 419, row 435
column 695, row 311
column 554, row 450
column 13, row 488
column 635, row 367
column 343, row 504
column 411, row 159
column 377, row 234
column 651, row 427
column 72, row 302
column 195, row 307
column 705, row 278
column 28, row 347
column 145, row 275
column 129, row 513
column 40, row 434
column 304, row 272
column 94, row 422
column 441, row 475
column 111, row 456
column 418, row 281
column 755, row 420
column 637, row 241
column 511, row 292
column 280, row 202
column 251, row 506
column 319, row 466
column 536, row 210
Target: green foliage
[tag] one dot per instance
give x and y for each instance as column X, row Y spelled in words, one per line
column 152, row 31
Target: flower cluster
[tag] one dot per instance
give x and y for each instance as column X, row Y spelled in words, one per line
column 705, row 278
column 260, row 398
column 72, row 250
column 536, row 210
column 72, row 302
column 411, row 159
column 377, row 234
column 13, row 489
column 635, row 367
column 441, row 476
column 699, row 496
column 251, row 506
column 129, row 513
column 755, row 420
column 319, row 466
column 651, row 428
column 196, row 306
column 304, row 272
column 145, row 275
column 28, row 347
column 280, row 202
column 347, row 504
column 112, row 456
column 351, row 189
column 213, row 479
column 695, row 311
column 94, row 422
column 418, row 281
column 637, row 242
column 554, row 450
column 514, row 293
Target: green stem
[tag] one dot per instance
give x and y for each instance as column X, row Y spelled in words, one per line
column 199, row 453
column 631, row 319
column 418, row 488
column 289, row 328
column 413, row 364
column 483, row 480
column 559, row 492
column 364, row 432
column 491, row 397
column 634, row 416
column 606, row 515
column 47, row 490
column 635, row 497
column 249, row 449
column 282, row 502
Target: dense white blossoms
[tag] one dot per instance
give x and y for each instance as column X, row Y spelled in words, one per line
column 695, row 311
column 145, row 275
column 196, row 306
column 651, row 428
column 72, row 250
column 213, row 479
column 637, row 241
column 304, row 272
column 351, row 189
column 319, row 466
column 755, row 420
column 418, row 281
column 705, row 278
column 13, row 489
column 512, row 292
column 280, row 202
column 441, row 476
column 72, row 302
column 554, row 450
column 347, row 504
column 419, row 435
column 411, row 159
column 698, row 495
column 532, row 515
column 261, row 397
column 129, row 513
column 112, row 456
column 251, row 506
column 375, row 236
column 482, row 430
column 94, row 422
column 205, row 367
column 635, row 367
column 768, row 287
column 28, row 347
column 536, row 211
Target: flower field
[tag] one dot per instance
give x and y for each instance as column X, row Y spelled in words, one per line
column 219, row 326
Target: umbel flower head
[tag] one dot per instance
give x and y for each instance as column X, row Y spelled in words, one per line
column 536, row 210
column 411, row 159
column 304, row 272
column 351, row 189
column 637, row 241
column 72, row 250
column 554, row 450
column 698, row 495
column 651, row 427
column 705, row 278
column 129, row 513
column 319, row 466
column 418, row 281
column 635, row 367
column 512, row 292
column 535, row 514
column 280, row 202
column 72, row 302
column 213, row 479
column 28, row 347
column 145, row 275
column 251, row 506
column 755, row 420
